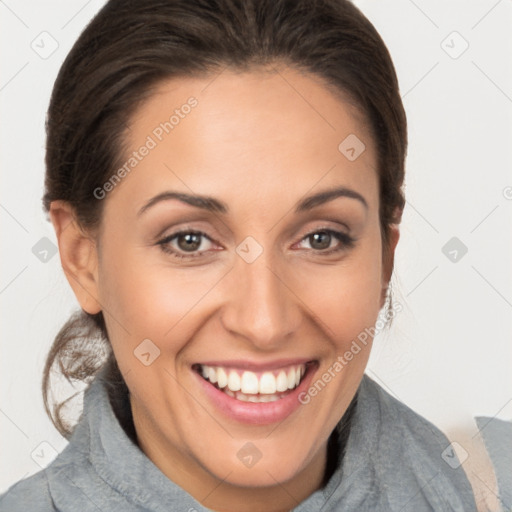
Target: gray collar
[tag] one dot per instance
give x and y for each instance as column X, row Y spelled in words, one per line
column 392, row 462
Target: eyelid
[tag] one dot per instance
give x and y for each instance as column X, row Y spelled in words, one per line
column 183, row 231
column 346, row 240
column 323, row 224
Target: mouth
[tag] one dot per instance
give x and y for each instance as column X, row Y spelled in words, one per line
column 244, row 385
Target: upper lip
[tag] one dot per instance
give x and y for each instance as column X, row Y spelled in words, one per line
column 254, row 366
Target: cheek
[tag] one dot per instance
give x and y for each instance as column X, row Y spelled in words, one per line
column 149, row 300
column 345, row 297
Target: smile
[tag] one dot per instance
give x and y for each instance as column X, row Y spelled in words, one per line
column 248, row 386
column 255, row 394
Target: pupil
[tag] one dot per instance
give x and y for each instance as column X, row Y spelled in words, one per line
column 192, row 241
column 320, row 240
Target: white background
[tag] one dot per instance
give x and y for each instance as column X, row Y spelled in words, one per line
column 449, row 352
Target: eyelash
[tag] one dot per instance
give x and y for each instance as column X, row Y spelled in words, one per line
column 347, row 242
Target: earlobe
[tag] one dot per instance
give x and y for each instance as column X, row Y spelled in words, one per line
column 389, row 259
column 78, row 256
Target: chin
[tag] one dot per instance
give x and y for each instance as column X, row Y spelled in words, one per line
column 257, row 467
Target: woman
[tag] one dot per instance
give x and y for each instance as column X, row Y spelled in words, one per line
column 224, row 179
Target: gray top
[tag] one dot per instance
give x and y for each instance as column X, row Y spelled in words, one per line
column 394, row 461
column 497, row 436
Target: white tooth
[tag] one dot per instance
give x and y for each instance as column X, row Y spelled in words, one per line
column 222, row 378
column 297, row 376
column 252, row 398
column 204, row 371
column 229, row 393
column 265, row 398
column 241, row 396
column 291, row 378
column 212, row 375
column 273, row 398
column 249, row 383
column 302, row 370
column 267, row 383
column 282, row 381
column 234, row 381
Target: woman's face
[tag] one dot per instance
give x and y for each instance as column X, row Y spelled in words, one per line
column 270, row 277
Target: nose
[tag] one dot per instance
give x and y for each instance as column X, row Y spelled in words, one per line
column 261, row 307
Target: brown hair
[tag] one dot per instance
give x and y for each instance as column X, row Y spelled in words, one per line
column 132, row 45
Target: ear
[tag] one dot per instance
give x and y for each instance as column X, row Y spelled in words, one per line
column 388, row 260
column 78, row 255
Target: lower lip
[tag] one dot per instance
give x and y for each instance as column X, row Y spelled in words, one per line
column 263, row 413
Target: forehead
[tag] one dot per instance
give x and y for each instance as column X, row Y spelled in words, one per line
column 277, row 133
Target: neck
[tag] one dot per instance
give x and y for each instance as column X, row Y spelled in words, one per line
column 222, row 496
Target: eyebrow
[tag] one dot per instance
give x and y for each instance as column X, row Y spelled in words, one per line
column 213, row 205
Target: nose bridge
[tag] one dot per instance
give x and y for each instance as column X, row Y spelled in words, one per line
column 260, row 308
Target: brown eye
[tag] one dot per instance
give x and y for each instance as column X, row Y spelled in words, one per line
column 189, row 241
column 186, row 244
column 320, row 240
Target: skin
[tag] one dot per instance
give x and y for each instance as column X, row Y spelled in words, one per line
column 260, row 145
